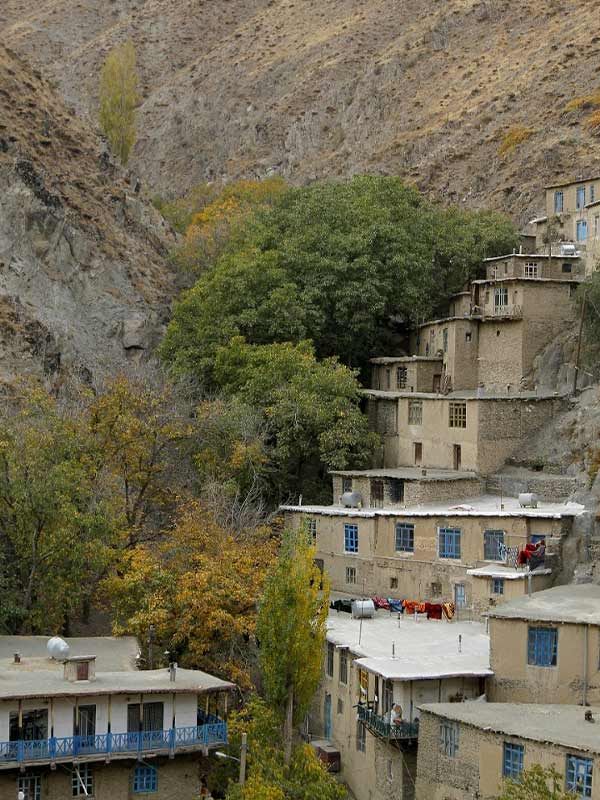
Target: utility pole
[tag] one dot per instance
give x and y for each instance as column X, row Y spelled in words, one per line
column 243, row 751
column 151, row 647
column 581, row 321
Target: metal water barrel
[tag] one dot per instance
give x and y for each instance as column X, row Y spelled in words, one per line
column 363, row 609
column 351, row 499
column 57, row 648
column 528, row 500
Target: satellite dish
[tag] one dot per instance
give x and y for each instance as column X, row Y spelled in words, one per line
column 58, row 649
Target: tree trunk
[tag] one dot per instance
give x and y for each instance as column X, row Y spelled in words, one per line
column 288, row 728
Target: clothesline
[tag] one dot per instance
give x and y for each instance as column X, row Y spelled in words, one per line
column 433, row 610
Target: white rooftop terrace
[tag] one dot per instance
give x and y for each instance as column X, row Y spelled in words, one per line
column 506, row 573
column 408, row 473
column 112, row 652
column 555, row 724
column 423, row 649
column 575, row 603
column 480, row 506
column 482, row 394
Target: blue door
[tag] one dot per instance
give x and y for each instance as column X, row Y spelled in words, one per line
column 328, row 716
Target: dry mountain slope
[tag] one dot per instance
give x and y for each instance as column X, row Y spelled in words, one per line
column 83, row 281
column 245, row 87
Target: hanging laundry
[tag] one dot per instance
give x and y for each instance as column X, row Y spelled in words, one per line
column 341, row 605
column 410, row 606
column 434, row 611
column 448, row 610
column 396, row 605
column 381, row 602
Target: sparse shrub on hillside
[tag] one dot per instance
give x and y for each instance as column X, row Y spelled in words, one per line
column 118, row 99
column 585, row 101
column 593, row 122
column 513, row 138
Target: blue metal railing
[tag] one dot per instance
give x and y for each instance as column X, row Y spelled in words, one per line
column 377, row 725
column 212, row 733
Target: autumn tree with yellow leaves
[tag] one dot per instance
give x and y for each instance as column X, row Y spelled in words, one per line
column 118, row 97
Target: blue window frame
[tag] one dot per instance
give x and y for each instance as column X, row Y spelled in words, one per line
column 580, row 197
column 449, row 738
column 581, row 228
column 542, row 646
column 558, row 202
column 491, row 545
column 512, row 760
column 449, row 542
column 497, row 585
column 537, row 537
column 350, row 538
column 311, row 526
column 405, row 537
column 579, row 775
column 145, row 779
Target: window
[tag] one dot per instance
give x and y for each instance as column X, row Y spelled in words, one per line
column 82, row 780
column 351, row 538
column 580, row 197
column 491, row 545
column 393, row 583
column 84, row 721
column 145, row 779
column 436, row 589
column 415, row 412
column 405, row 537
column 346, row 485
column 449, row 542
column 35, row 725
column 445, row 340
column 592, row 193
column 497, row 585
column 311, row 526
column 401, row 376
column 152, row 720
column 396, row 490
column 500, row 297
column 581, row 229
column 460, row 595
column 363, row 685
column 579, row 775
column 566, row 267
column 351, row 575
column 31, row 786
column 449, row 738
column 330, row 657
column 542, row 646
column 457, row 417
column 340, row 706
column 343, row 665
column 558, row 202
column 361, row 736
column 531, row 269
column 377, row 494
column 468, row 336
column 388, row 379
column 512, row 760
column 83, row 671
column 596, row 226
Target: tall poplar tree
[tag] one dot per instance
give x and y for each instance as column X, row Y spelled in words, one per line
column 118, row 99
column 291, row 631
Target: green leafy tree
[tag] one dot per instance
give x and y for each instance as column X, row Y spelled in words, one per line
column 118, row 99
column 291, row 631
column 305, row 778
column 536, row 783
column 348, row 265
column 58, row 529
column 311, row 409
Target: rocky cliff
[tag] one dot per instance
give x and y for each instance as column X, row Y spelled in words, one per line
column 425, row 90
column 84, row 285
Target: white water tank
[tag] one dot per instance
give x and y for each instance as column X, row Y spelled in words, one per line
column 363, row 609
column 528, row 500
column 58, row 649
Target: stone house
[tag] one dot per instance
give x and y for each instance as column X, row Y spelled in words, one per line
column 572, row 212
column 459, row 431
column 94, row 725
column 467, row 750
column 544, row 648
column 372, row 665
column 436, row 551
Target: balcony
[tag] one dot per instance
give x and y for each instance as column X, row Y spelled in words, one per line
column 106, row 745
column 405, row 733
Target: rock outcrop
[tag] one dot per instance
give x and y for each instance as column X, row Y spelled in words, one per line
column 84, row 282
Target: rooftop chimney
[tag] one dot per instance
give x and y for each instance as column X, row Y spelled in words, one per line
column 172, row 671
column 17, row 658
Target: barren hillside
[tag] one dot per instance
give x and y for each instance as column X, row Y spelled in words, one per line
column 83, row 282
column 246, row 87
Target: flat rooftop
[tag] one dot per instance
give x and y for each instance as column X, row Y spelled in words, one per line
column 529, row 256
column 506, row 573
column 404, row 359
column 474, row 394
column 480, row 506
column 407, row 474
column 423, row 649
column 113, row 653
column 30, row 680
column 555, row 724
column 578, row 603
